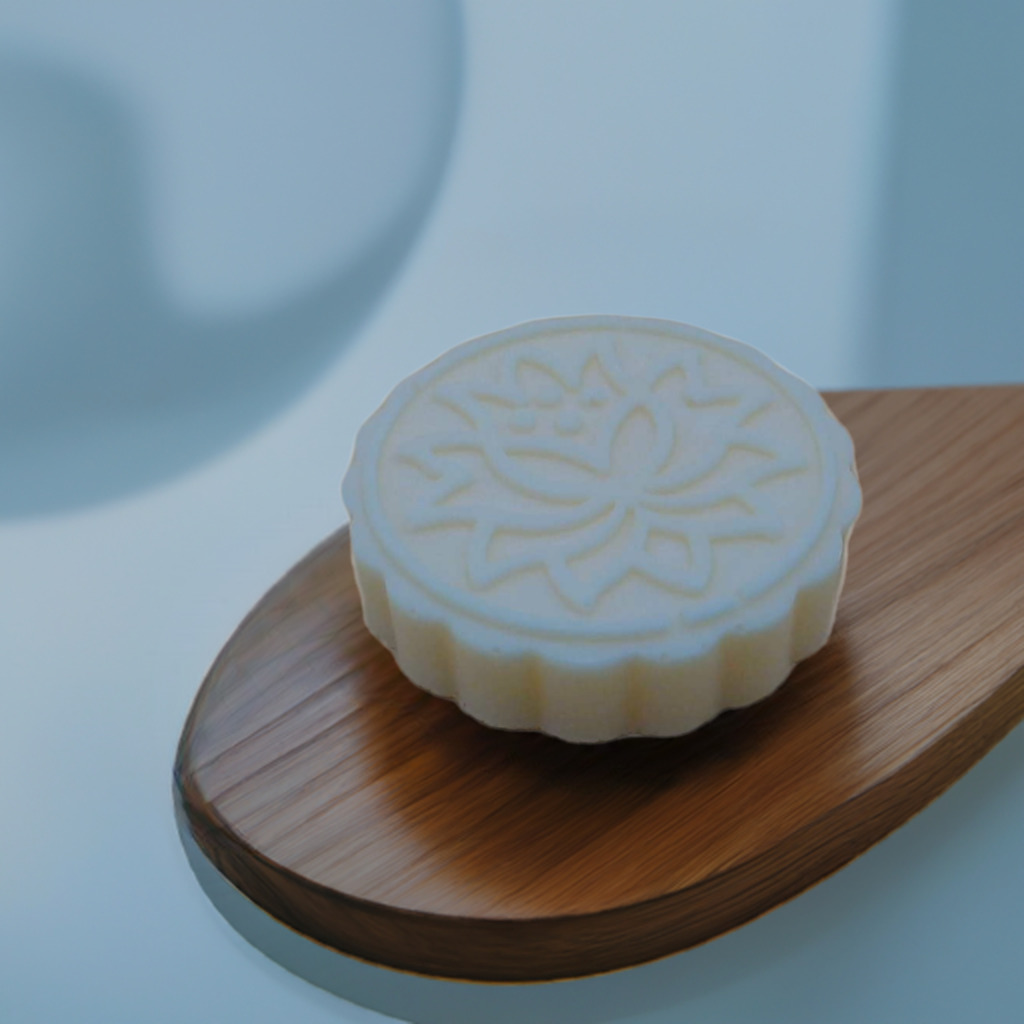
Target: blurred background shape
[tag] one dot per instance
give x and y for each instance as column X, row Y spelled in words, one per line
column 948, row 304
column 199, row 205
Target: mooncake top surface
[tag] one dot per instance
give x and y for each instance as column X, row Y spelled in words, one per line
column 602, row 478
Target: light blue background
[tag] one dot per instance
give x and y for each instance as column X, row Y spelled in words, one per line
column 233, row 205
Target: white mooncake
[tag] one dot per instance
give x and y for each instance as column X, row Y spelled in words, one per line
column 600, row 527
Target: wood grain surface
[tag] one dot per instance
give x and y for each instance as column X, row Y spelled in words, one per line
column 382, row 821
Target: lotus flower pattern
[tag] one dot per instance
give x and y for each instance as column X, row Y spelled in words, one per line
column 594, row 467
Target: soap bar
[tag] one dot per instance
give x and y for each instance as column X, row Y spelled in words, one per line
column 600, row 527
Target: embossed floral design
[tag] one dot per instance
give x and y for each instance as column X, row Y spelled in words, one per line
column 584, row 467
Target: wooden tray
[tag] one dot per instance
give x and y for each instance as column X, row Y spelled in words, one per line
column 383, row 822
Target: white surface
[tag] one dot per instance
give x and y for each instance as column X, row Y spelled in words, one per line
column 711, row 162
column 705, row 162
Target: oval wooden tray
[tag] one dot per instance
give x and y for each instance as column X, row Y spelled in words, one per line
column 382, row 821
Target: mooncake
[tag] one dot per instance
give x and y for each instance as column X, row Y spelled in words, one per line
column 599, row 527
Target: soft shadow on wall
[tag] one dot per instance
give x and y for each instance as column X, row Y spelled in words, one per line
column 949, row 289
column 106, row 387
